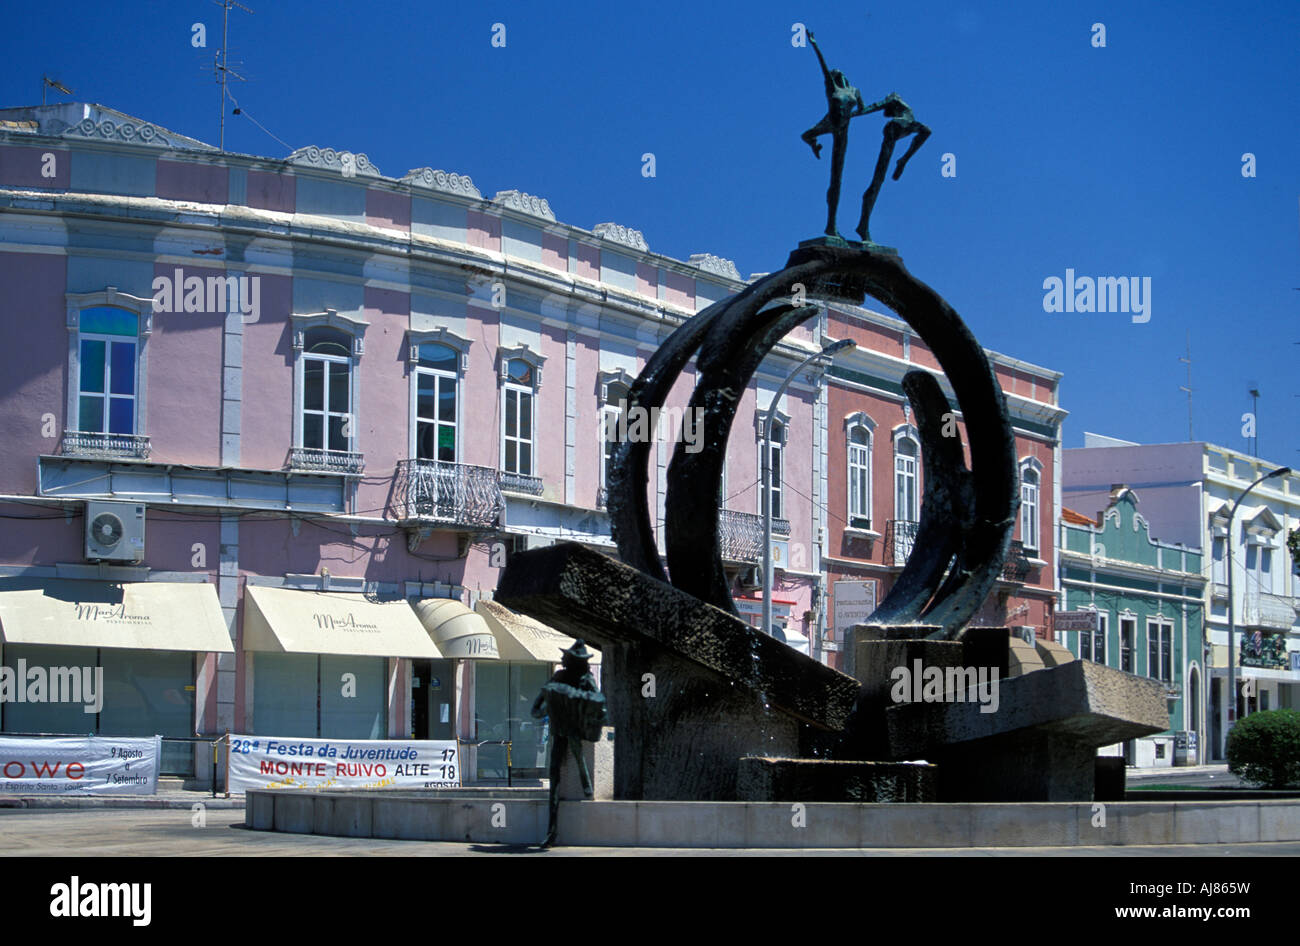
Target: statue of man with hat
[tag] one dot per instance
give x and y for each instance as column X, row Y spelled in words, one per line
column 577, row 712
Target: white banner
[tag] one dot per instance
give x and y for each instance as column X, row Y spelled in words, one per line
column 80, row 765
column 277, row 762
column 854, row 602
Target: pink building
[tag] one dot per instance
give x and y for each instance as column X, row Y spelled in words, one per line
column 256, row 406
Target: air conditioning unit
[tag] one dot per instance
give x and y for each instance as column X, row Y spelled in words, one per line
column 1026, row 632
column 114, row 532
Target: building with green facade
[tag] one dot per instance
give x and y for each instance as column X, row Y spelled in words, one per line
column 1147, row 598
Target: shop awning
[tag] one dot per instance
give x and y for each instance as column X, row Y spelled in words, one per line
column 522, row 638
column 458, row 631
column 140, row 615
column 288, row 621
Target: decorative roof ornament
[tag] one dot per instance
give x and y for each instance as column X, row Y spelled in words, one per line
column 446, row 181
column 345, row 162
column 134, row 132
column 617, row 233
column 715, row 264
column 525, row 203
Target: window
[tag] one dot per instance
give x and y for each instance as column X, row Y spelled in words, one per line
column 1092, row 644
column 328, row 347
column 436, row 391
column 616, row 393
column 520, row 379
column 108, row 334
column 776, row 471
column 1030, row 480
column 327, row 390
column 859, row 456
column 906, row 452
column 1127, row 631
column 1220, row 573
column 1160, row 641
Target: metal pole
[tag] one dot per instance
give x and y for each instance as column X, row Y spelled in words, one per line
column 766, row 474
column 1232, row 613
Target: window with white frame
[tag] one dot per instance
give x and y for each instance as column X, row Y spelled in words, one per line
column 611, row 414
column 517, row 417
column 1127, row 636
column 1219, row 566
column 859, row 430
column 1092, row 644
column 1160, row 644
column 907, row 452
column 107, row 369
column 327, row 390
column 437, row 391
column 776, row 469
column 1030, row 482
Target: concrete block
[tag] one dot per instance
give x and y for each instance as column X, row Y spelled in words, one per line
column 1141, row 822
column 1024, row 825
column 294, row 814
column 1208, row 823
column 595, row 823
column 259, row 811
column 1023, row 658
column 1053, row 654
column 915, row 825
column 690, row 824
column 409, row 819
column 1279, row 820
column 802, row 825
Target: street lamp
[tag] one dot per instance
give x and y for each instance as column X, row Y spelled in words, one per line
column 827, row 350
column 1232, row 614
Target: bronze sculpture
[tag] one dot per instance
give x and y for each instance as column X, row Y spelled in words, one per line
column 844, row 103
column 576, row 709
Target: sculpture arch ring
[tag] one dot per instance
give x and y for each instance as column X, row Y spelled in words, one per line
column 967, row 516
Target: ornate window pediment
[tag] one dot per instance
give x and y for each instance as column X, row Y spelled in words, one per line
column 331, row 318
column 440, row 335
column 533, row 359
column 780, row 425
column 606, row 378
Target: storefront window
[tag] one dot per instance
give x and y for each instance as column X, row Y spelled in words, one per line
column 145, row 693
column 504, row 695
column 307, row 695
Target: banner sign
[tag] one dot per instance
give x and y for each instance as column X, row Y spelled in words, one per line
column 1076, row 621
column 279, row 762
column 854, row 602
column 80, row 765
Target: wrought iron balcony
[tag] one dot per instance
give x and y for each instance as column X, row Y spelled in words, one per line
column 81, row 443
column 1017, row 566
column 521, row 483
column 1268, row 612
column 740, row 535
column 452, row 494
column 315, row 460
column 900, row 537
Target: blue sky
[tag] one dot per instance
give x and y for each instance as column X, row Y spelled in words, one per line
column 1117, row 161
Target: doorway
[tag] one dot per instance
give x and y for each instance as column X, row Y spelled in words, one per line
column 432, row 699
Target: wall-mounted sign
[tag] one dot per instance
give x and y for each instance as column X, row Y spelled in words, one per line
column 1076, row 621
column 854, row 602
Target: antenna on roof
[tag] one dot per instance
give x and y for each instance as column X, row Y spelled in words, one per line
column 48, row 83
column 1188, row 386
column 219, row 66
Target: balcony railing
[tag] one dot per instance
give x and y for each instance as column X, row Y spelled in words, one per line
column 900, row 536
column 521, row 483
column 740, row 535
column 315, row 460
column 453, row 494
column 1268, row 612
column 1017, row 565
column 81, row 443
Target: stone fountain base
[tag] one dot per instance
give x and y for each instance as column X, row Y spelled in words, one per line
column 502, row 818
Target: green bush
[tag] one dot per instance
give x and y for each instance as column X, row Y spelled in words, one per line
column 1264, row 749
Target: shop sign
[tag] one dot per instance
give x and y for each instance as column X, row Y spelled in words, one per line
column 289, row 762
column 854, row 602
column 80, row 765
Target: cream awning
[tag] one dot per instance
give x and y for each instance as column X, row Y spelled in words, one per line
column 140, row 615
column 457, row 630
column 288, row 621
column 520, row 637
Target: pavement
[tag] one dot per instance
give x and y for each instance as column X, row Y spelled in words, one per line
column 221, row 833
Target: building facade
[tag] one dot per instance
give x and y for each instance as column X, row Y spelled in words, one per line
column 1188, row 490
column 1146, row 599
column 874, row 478
column 304, row 403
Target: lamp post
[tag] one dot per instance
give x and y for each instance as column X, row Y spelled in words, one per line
column 1232, row 614
column 766, row 474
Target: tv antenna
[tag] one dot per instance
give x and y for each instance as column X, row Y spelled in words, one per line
column 1188, row 386
column 220, row 67
column 48, row 83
